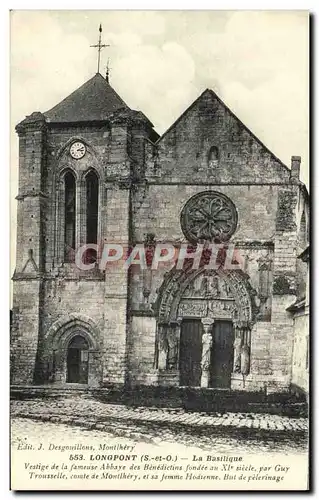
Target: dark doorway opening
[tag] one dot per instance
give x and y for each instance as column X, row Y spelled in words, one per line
column 222, row 354
column 190, row 353
column 77, row 361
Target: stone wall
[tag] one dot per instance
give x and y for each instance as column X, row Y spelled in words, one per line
column 300, row 363
column 141, row 351
column 25, row 331
column 300, row 312
column 160, row 211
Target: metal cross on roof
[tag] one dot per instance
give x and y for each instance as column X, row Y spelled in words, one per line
column 99, row 47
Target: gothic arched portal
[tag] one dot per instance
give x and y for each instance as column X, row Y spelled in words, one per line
column 204, row 320
column 75, row 353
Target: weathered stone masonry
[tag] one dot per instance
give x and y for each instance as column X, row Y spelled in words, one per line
column 136, row 326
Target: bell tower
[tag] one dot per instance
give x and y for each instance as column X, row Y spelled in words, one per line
column 78, row 165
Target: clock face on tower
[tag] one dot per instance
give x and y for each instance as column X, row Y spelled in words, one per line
column 77, row 150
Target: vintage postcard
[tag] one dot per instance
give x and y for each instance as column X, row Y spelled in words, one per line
column 160, row 250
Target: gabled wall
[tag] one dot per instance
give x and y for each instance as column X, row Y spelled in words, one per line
column 182, row 153
column 209, row 149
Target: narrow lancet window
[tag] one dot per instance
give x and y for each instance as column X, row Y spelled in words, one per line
column 92, row 204
column 303, row 231
column 69, row 217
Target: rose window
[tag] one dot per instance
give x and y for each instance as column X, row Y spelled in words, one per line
column 209, row 216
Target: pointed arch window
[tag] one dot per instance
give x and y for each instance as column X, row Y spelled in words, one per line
column 303, row 230
column 92, row 209
column 69, row 216
column 265, row 280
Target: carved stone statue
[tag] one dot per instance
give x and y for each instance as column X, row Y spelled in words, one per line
column 245, row 360
column 212, row 286
column 162, row 352
column 172, row 350
column 237, row 354
column 207, row 342
column 224, row 289
column 206, row 353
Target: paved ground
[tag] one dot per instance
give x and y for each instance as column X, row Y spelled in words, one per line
column 77, row 407
column 249, row 431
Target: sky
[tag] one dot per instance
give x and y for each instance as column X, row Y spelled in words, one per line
column 161, row 61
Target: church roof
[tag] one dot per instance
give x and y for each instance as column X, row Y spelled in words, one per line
column 93, row 101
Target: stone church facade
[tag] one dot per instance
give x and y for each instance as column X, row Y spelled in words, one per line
column 92, row 170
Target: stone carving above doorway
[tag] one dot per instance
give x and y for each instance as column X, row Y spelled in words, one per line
column 211, row 293
column 192, row 308
column 210, row 285
column 209, row 216
column 208, row 295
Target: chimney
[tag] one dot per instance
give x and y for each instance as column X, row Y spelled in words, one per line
column 295, row 168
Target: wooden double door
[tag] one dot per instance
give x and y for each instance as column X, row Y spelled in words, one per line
column 221, row 356
column 77, row 361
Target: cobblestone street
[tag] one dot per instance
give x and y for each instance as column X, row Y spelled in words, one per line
column 249, row 432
